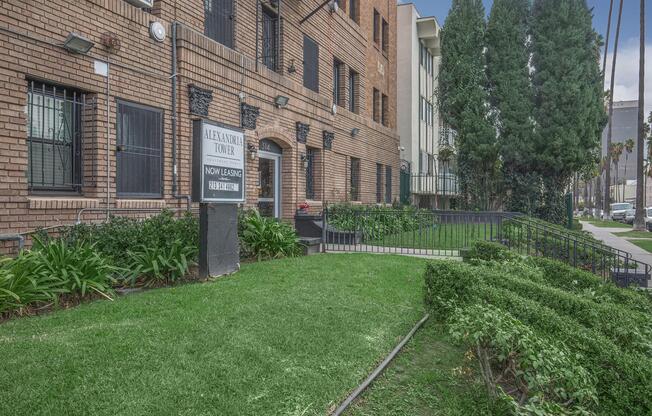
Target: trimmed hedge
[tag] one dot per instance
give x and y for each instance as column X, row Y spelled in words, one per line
column 623, row 377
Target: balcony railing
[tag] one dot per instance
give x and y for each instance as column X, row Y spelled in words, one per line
column 445, row 184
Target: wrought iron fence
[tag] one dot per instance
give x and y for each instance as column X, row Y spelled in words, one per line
column 447, row 233
column 407, row 231
column 434, row 184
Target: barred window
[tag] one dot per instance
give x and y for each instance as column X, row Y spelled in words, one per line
column 384, row 111
column 379, row 183
column 310, row 64
column 354, row 10
column 354, row 92
column 54, row 138
column 139, row 151
column 385, row 46
column 218, row 21
column 354, row 177
column 388, row 184
column 376, row 26
column 310, row 173
column 338, row 82
column 376, row 106
column 270, row 47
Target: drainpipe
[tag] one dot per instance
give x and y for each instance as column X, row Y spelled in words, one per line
column 108, row 135
column 173, row 78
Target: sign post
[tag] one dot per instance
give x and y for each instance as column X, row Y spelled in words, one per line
column 218, row 184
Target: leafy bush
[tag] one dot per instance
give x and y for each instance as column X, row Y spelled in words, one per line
column 266, row 238
column 118, row 235
column 536, row 375
column 51, row 269
column 487, row 250
column 21, row 284
column 623, row 377
column 375, row 222
column 78, row 267
column 155, row 265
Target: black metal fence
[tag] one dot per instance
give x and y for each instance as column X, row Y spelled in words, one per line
column 408, row 231
column 448, row 233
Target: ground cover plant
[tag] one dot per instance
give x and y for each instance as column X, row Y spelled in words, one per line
column 645, row 244
column 634, row 234
column 291, row 336
column 605, row 223
column 595, row 334
column 264, row 238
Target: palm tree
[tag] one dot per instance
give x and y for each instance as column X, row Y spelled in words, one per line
column 606, row 42
column 615, row 152
column 629, row 148
column 639, row 222
column 611, row 109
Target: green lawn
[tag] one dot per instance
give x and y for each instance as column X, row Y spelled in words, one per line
column 607, row 223
column 287, row 337
column 443, row 236
column 424, row 380
column 645, row 244
column 634, row 234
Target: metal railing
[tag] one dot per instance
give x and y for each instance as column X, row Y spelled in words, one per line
column 434, row 184
column 448, row 233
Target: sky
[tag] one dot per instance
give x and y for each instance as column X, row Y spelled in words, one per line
column 626, row 87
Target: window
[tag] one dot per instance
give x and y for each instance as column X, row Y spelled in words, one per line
column 376, row 106
column 385, row 37
column 270, row 49
column 376, row 26
column 388, row 184
column 139, row 151
column 426, row 111
column 379, row 183
column 354, row 10
column 354, row 92
column 310, row 173
column 54, row 133
column 426, row 59
column 354, row 178
column 310, row 64
column 384, row 113
column 338, row 82
column 218, row 21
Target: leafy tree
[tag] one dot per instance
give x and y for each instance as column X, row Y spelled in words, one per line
column 629, row 148
column 569, row 110
column 463, row 102
column 512, row 100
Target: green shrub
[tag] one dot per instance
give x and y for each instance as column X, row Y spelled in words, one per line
column 623, row 378
column 78, row 267
column 536, row 375
column 376, row 222
column 448, row 285
column 266, row 238
column 118, row 235
column 22, row 284
column 487, row 250
column 155, row 265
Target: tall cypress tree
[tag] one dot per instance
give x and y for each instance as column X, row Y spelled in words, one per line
column 569, row 109
column 463, row 102
column 511, row 97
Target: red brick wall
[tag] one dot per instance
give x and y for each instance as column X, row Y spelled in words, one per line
column 30, row 32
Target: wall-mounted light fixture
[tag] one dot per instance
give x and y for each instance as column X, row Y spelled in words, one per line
column 355, row 132
column 77, row 44
column 401, row 149
column 252, row 151
column 304, row 160
column 281, row 101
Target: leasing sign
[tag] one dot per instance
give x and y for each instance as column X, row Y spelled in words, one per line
column 218, row 163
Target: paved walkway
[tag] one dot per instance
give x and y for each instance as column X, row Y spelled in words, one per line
column 607, row 236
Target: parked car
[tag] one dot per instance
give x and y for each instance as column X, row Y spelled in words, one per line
column 648, row 218
column 629, row 216
column 619, row 211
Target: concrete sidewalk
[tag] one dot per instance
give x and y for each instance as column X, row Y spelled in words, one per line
column 607, row 236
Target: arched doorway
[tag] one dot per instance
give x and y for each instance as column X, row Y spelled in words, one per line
column 269, row 178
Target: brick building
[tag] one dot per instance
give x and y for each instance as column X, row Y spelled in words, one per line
column 112, row 126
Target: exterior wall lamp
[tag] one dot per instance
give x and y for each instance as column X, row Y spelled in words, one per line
column 304, row 160
column 355, row 132
column 281, row 101
column 77, row 44
column 252, row 151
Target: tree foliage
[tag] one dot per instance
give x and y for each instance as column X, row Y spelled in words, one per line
column 569, row 109
column 463, row 101
column 511, row 98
